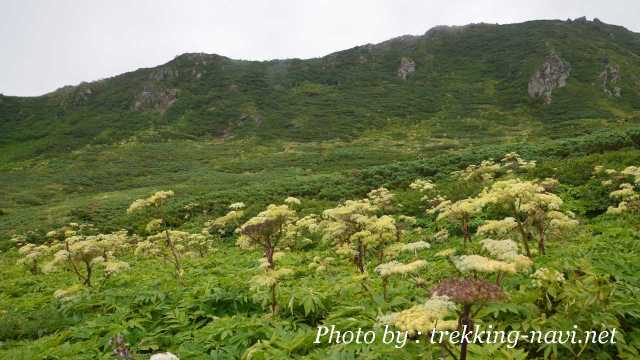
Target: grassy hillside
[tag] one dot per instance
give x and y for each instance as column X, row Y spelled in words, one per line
column 462, row 74
column 206, row 122
column 215, row 311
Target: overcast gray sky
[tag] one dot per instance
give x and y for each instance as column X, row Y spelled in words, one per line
column 46, row 44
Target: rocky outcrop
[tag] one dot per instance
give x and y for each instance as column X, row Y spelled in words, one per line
column 609, row 78
column 155, row 98
column 581, row 20
column 407, row 67
column 552, row 74
column 169, row 73
column 164, row 73
column 77, row 95
column 190, row 66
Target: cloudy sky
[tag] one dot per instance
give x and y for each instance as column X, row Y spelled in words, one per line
column 46, row 44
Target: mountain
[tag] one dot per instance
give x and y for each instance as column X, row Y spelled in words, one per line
column 221, row 129
column 548, row 71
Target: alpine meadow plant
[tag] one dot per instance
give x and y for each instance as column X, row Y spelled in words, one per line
column 533, row 211
column 345, row 226
column 181, row 245
column 265, row 231
column 460, row 212
column 626, row 196
column 230, row 220
column 157, row 202
column 32, row 255
column 437, row 313
column 83, row 255
column 395, row 268
column 470, row 294
column 382, row 198
column 304, row 232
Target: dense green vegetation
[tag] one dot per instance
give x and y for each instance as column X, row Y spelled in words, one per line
column 214, row 315
column 323, row 131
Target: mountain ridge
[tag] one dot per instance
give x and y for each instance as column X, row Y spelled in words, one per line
column 404, row 37
column 450, row 72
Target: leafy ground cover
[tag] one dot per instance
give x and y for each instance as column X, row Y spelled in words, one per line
column 215, row 308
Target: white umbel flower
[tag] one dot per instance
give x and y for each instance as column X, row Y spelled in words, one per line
column 164, row 356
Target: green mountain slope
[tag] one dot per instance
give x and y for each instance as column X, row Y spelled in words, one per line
column 476, row 71
column 217, row 128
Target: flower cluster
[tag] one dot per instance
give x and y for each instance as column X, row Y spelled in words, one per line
column 513, row 161
column 446, row 253
column 154, row 200
column 350, row 210
column 484, row 171
column 441, row 236
column 559, row 221
column 633, row 171
column 153, row 226
column 422, row 185
column 396, row 268
column 549, row 184
column 31, row 255
column 543, row 277
column 481, row 264
column 231, row 218
column 346, row 250
column 499, row 228
column 397, row 248
column 269, row 278
column 70, row 230
column 468, row 291
column 183, row 243
column 409, row 220
column 626, row 192
column 524, row 195
column 381, row 198
column 416, row 246
column 267, row 224
column 460, row 212
column 460, row 209
column 302, row 232
column 489, row 169
column 506, row 250
column 432, row 202
column 82, row 254
column 292, row 201
column 237, row 205
column 353, row 222
column 423, row 318
column 533, row 209
column 309, row 224
column 626, row 180
column 629, row 199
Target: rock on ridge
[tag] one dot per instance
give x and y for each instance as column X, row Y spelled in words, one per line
column 551, row 75
column 610, row 77
column 155, row 98
column 407, row 66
